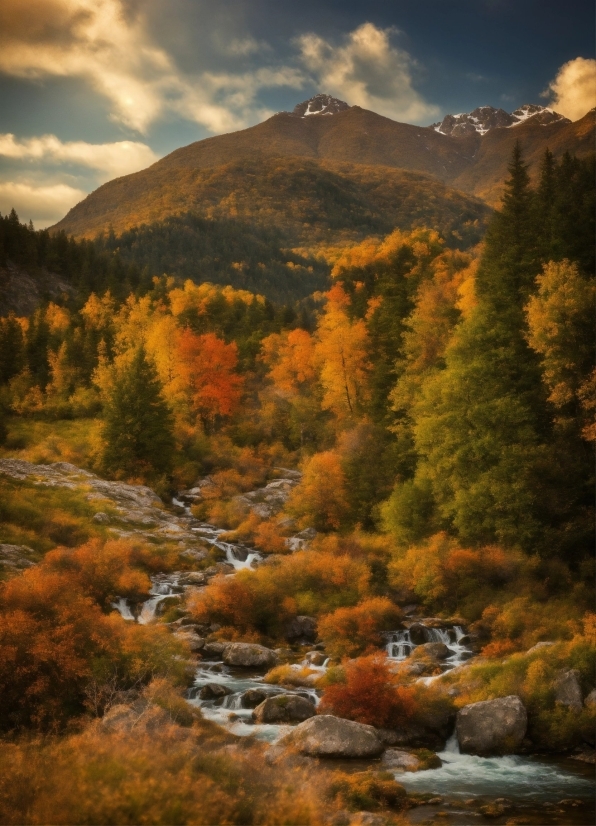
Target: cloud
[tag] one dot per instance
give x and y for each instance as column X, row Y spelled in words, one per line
column 573, row 92
column 45, row 205
column 113, row 159
column 107, row 43
column 368, row 71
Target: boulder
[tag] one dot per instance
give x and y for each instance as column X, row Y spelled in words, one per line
column 418, row 633
column 568, row 691
column 400, row 760
column 315, row 657
column 252, row 697
column 539, row 646
column 213, row 649
column 328, row 736
column 213, row 691
column 492, row 726
column 249, row 655
column 194, row 641
column 284, row 708
column 301, row 628
column 434, row 650
column 590, row 701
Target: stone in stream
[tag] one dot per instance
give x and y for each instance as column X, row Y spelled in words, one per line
column 213, row 691
column 492, row 726
column 434, row 650
column 418, row 633
column 214, row 649
column 194, row 641
column 249, row 655
column 401, row 760
column 315, row 657
column 301, row 628
column 252, row 697
column 328, row 736
column 284, row 708
column 568, row 691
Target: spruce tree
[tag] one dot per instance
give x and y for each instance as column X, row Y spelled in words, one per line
column 138, row 430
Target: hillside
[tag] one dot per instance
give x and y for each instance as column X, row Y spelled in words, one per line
column 253, row 172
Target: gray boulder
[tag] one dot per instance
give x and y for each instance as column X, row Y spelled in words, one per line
column 252, row 697
column 315, row 657
column 213, row 691
column 284, row 708
column 249, row 655
column 492, row 726
column 434, row 650
column 301, row 628
column 400, row 760
column 568, row 691
column 214, row 649
column 328, row 736
column 418, row 633
column 194, row 641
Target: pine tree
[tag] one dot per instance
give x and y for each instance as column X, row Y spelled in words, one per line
column 138, row 430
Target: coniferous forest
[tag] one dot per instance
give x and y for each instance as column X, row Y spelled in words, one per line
column 249, row 493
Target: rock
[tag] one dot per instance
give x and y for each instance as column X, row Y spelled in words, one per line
column 213, row 691
column 400, row 760
column 414, row 737
column 568, row 690
column 315, row 657
column 301, row 628
column 492, row 726
column 590, row 700
column 16, row 557
column 101, row 518
column 213, row 649
column 418, row 633
column 194, row 642
column 284, row 653
column 434, row 650
column 284, row 708
column 328, row 736
column 196, row 578
column 538, row 647
column 249, row 655
column 252, row 697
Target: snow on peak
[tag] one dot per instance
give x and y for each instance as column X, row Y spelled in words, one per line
column 320, row 104
column 485, row 118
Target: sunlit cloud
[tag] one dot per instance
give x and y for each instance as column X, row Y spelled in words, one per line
column 108, row 44
column 369, row 71
column 113, row 159
column 573, row 92
column 45, row 204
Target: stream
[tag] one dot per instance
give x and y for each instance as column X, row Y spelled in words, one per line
column 532, row 786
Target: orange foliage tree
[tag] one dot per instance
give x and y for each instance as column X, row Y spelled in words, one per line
column 320, row 499
column 368, row 694
column 207, row 364
column 349, row 632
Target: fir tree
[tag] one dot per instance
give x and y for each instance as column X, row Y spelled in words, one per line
column 138, row 431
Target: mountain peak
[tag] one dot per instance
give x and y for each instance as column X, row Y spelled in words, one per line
column 485, row 118
column 320, row 104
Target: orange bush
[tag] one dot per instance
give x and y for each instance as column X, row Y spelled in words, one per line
column 349, row 632
column 369, row 695
column 320, row 498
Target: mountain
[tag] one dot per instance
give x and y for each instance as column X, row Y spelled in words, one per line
column 485, row 118
column 311, row 172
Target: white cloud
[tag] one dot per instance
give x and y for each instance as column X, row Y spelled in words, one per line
column 113, row 159
column 573, row 91
column 368, row 71
column 108, row 44
column 45, row 205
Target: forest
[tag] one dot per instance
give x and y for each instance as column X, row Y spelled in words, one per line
column 436, row 405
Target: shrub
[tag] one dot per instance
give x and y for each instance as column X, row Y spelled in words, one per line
column 369, row 695
column 368, row 790
column 349, row 632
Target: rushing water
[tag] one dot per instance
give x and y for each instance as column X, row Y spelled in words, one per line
column 400, row 644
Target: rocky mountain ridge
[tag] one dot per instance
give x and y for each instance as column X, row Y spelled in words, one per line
column 485, row 118
column 320, row 104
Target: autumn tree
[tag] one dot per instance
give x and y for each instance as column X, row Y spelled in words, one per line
column 320, row 498
column 138, row 438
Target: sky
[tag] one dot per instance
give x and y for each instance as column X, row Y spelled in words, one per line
column 94, row 89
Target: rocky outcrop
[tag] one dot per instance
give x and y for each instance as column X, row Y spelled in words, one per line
column 284, row 708
column 15, row 558
column 492, row 726
column 568, row 690
column 249, row 655
column 328, row 736
column 269, row 500
column 301, row 628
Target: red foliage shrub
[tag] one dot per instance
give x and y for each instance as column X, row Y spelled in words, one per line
column 369, row 695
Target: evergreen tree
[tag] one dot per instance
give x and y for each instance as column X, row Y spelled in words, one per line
column 138, row 431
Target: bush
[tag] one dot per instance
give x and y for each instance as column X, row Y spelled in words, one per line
column 368, row 694
column 350, row 632
column 368, row 790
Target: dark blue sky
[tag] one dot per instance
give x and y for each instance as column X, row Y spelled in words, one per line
column 117, row 83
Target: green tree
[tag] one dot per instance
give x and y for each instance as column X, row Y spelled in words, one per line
column 138, row 429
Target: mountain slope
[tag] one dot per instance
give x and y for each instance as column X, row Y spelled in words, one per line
column 216, row 176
